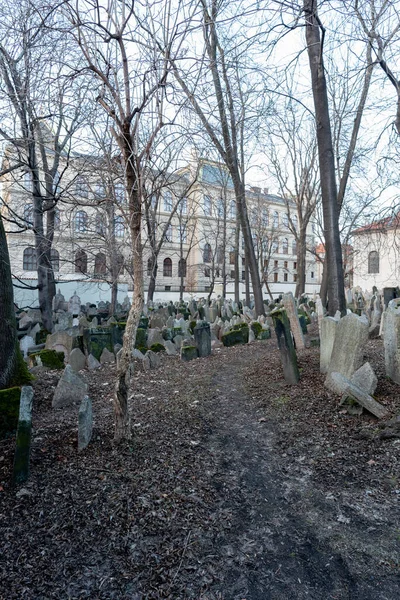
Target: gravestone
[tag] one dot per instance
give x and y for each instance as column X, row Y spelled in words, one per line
column 60, row 341
column 74, row 305
column 391, row 341
column 348, row 347
column 107, row 357
column 85, row 423
column 70, row 389
column 77, row 360
column 189, row 353
column 341, row 384
column 92, row 363
column 151, row 360
column 23, row 439
column 286, row 347
column 202, row 336
column 291, row 311
column 24, row 322
column 25, row 343
column 154, row 336
column 388, row 295
column 327, row 339
column 170, row 348
column 58, row 301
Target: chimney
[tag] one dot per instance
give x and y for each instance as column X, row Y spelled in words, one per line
column 255, row 189
column 266, row 191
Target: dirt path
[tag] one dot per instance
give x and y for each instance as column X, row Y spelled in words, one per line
column 235, row 487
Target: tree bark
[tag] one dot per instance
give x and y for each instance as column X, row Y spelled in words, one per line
column 13, row 370
column 153, row 277
column 333, row 256
column 301, row 264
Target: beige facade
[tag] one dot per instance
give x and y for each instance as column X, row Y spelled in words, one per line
column 377, row 255
column 194, row 212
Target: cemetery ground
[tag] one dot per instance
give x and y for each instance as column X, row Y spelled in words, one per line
column 234, row 486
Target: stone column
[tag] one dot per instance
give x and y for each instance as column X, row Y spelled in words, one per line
column 291, row 311
column 286, row 348
column 24, row 433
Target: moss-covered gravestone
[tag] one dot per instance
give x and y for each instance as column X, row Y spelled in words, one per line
column 202, row 336
column 286, row 347
column 238, row 335
column 24, row 433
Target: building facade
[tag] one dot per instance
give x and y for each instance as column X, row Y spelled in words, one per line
column 189, row 226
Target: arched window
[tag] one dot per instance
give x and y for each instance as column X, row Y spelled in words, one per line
column 80, row 261
column 207, row 253
column 285, row 220
column 220, row 207
column 100, row 225
column 294, row 247
column 28, row 214
column 55, row 259
column 149, row 267
column 285, row 246
column 81, row 221
column 265, row 217
column 294, row 221
column 275, row 247
column 232, row 210
column 373, row 262
column 276, row 219
column 29, row 259
column 167, row 267
column 184, row 206
column 182, row 268
column 119, row 227
column 220, row 254
column 100, row 267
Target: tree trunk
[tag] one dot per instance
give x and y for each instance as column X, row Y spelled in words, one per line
column 44, row 266
column 236, row 265
column 247, row 281
column 153, row 278
column 13, row 370
column 301, row 264
column 333, row 257
column 323, row 292
column 121, row 406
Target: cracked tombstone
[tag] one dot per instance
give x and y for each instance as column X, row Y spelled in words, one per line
column 286, row 347
column 24, row 434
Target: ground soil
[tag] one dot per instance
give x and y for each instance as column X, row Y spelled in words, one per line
column 235, row 486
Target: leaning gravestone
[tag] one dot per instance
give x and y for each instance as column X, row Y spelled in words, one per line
column 348, row 348
column 24, row 433
column 202, row 336
column 291, row 311
column 85, row 423
column 391, row 341
column 286, row 347
column 70, row 389
column 151, row 360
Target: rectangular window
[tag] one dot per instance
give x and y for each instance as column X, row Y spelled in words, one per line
column 167, row 288
column 275, row 264
column 231, row 257
column 232, row 274
column 243, row 275
column 275, row 277
column 285, row 264
column 285, row 277
column 167, row 202
column 295, row 265
column 295, row 278
column 312, row 274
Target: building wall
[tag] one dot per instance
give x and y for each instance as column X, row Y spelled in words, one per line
column 210, row 215
column 387, row 245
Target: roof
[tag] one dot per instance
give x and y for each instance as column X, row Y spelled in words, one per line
column 391, row 222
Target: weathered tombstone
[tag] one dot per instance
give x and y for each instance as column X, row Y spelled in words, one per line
column 341, row 384
column 154, row 336
column 189, row 353
column 202, row 336
column 320, row 312
column 74, row 305
column 70, row 389
column 375, row 317
column 178, row 339
column 151, row 360
column 391, row 342
column 286, row 347
column 85, row 423
column 60, row 341
column 107, row 357
column 58, row 301
column 327, row 339
column 24, row 322
column 389, row 293
column 77, row 360
column 348, row 347
column 170, row 348
column 25, row 343
column 92, row 362
column 23, row 439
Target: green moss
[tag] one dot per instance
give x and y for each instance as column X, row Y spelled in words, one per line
column 21, row 374
column 141, row 338
column 41, row 336
column 166, row 333
column 303, row 323
column 257, row 328
column 192, row 325
column 265, row 334
column 157, row 347
column 143, row 323
column 142, row 349
column 237, row 335
column 50, row 358
column 176, row 331
column 240, row 326
column 121, row 324
column 189, row 353
column 9, row 410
